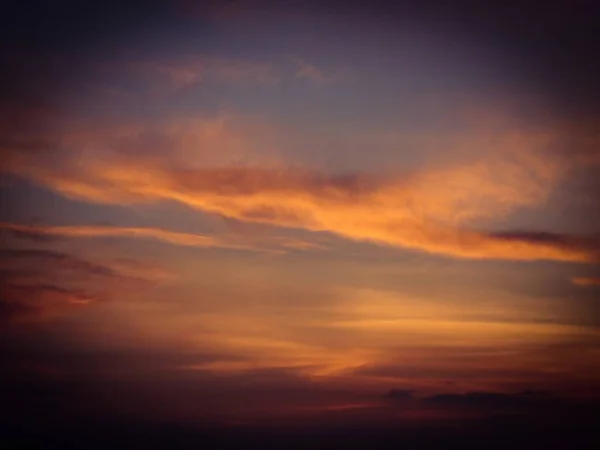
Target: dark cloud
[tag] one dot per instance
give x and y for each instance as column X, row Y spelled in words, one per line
column 47, row 260
column 458, row 365
column 492, row 400
column 487, row 403
column 591, row 242
column 399, row 394
column 29, row 235
column 586, row 281
column 39, row 284
column 32, row 302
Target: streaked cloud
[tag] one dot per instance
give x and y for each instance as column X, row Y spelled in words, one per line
column 37, row 302
column 40, row 284
column 92, row 231
column 586, row 281
column 312, row 73
column 46, row 233
column 33, row 258
column 169, row 75
column 196, row 69
column 429, row 211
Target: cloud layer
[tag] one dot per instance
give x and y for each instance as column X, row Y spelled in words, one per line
column 586, row 281
column 430, row 211
column 43, row 284
column 46, row 233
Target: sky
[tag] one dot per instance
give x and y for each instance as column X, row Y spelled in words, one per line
column 257, row 213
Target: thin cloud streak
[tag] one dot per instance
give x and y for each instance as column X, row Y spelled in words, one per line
column 39, row 285
column 312, row 73
column 586, row 281
column 167, row 76
column 92, row 231
column 44, row 233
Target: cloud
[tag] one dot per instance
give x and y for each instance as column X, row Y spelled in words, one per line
column 47, row 233
column 30, row 259
column 268, row 351
column 409, row 212
column 586, row 281
column 37, row 232
column 38, row 285
column 490, row 402
column 185, row 72
column 240, row 72
column 399, row 394
column 487, row 404
column 213, row 140
column 312, row 73
column 26, row 232
column 495, row 402
column 35, row 302
column 220, row 166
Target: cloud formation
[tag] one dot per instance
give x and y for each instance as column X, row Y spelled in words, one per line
column 36, row 232
column 422, row 211
column 185, row 72
column 586, row 281
column 46, row 233
column 489, row 402
column 35, row 302
column 312, row 73
column 235, row 168
column 38, row 285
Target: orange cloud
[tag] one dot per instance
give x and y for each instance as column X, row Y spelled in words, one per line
column 370, row 328
column 90, row 231
column 586, row 281
column 439, row 210
column 40, row 284
column 224, row 139
column 270, row 351
column 48, row 232
column 358, row 207
column 34, row 303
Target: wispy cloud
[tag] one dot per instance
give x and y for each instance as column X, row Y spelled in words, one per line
column 45, row 233
column 420, row 212
column 43, row 284
column 29, row 259
column 36, row 302
column 220, row 166
column 184, row 72
column 586, row 281
column 93, row 231
column 312, row 73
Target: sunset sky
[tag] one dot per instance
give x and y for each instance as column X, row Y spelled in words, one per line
column 244, row 214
